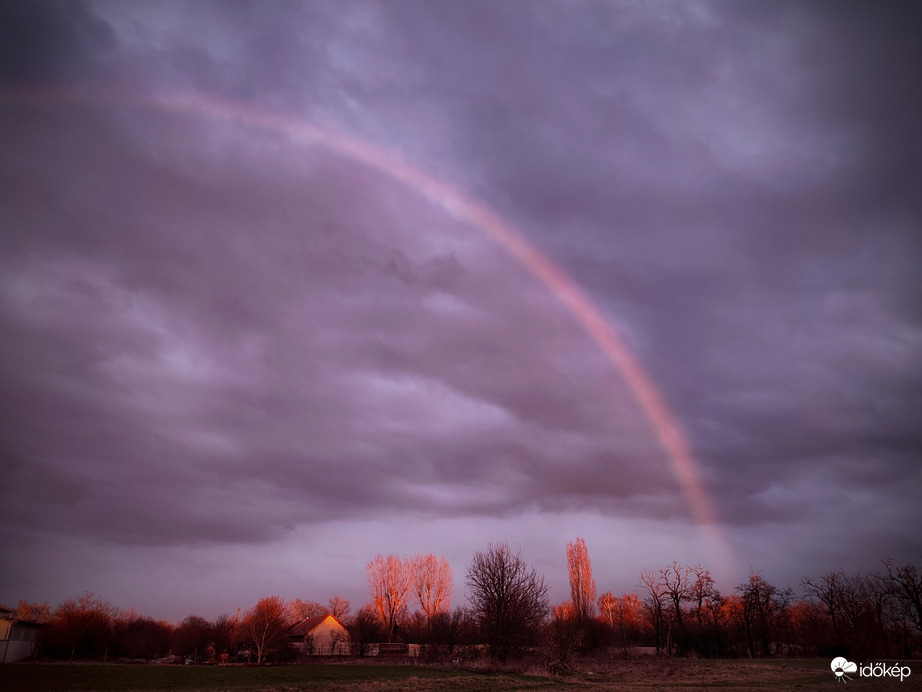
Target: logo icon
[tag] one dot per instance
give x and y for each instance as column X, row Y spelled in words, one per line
column 840, row 666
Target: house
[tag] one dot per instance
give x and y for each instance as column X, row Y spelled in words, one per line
column 17, row 637
column 322, row 635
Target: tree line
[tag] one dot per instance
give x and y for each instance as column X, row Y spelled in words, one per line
column 677, row 610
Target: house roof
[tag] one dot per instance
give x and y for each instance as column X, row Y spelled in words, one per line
column 307, row 625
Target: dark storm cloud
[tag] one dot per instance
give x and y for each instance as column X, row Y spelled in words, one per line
column 747, row 174
column 51, row 43
column 180, row 333
column 215, row 335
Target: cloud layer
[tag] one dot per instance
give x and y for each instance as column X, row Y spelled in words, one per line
column 217, row 339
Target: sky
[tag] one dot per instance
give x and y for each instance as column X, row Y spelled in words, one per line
column 243, row 351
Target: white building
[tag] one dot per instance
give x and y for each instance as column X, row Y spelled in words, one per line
column 17, row 638
column 322, row 635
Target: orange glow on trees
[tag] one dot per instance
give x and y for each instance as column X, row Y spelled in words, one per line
column 433, row 581
column 582, row 585
column 622, row 615
column 388, row 583
column 265, row 626
column 339, row 607
column 301, row 610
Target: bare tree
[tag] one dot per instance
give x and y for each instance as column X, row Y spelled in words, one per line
column 337, row 641
column 561, row 640
column 905, row 584
column 852, row 604
column 784, row 600
column 608, row 607
column 433, row 582
column 38, row 613
column 702, row 593
column 226, row 636
column 81, row 627
column 301, row 610
column 757, row 601
column 701, row 588
column 582, row 585
column 675, row 580
column 621, row 614
column 508, row 596
column 265, row 626
column 141, row 637
column 339, row 607
column 629, row 610
column 828, row 590
column 654, row 603
column 364, row 629
column 192, row 635
column 448, row 630
column 563, row 611
column 388, row 584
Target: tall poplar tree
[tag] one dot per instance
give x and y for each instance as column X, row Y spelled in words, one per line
column 582, row 585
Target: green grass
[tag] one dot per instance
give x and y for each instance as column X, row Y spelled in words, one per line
column 624, row 676
column 100, row 678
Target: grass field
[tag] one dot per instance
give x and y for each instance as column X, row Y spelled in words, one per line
column 628, row 676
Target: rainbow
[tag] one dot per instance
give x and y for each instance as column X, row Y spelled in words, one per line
column 466, row 209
